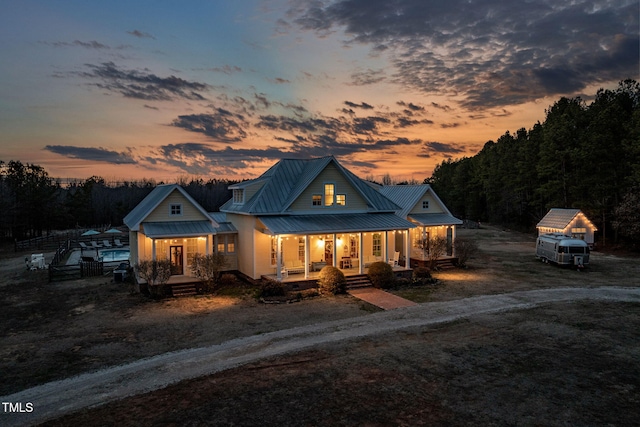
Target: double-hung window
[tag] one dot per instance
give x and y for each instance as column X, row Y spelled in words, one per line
column 329, row 194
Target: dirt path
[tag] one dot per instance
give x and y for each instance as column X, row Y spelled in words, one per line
column 55, row 399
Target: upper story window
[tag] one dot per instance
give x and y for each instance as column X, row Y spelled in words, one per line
column 238, row 196
column 341, row 199
column 175, row 209
column 317, row 200
column 329, row 193
column 425, row 204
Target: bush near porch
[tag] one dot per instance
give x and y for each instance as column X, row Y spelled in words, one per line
column 381, row 274
column 332, row 281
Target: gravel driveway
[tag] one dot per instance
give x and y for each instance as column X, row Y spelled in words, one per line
column 57, row 398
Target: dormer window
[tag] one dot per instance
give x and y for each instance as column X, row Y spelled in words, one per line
column 238, row 196
column 425, row 204
column 175, row 209
column 341, row 199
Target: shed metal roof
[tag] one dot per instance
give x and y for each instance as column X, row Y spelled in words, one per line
column 156, row 230
column 558, row 218
column 334, row 223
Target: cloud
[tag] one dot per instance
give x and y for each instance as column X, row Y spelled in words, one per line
column 87, row 45
column 225, row 69
column 362, row 105
column 141, row 34
column 92, row 154
column 487, row 53
column 143, row 84
column 221, row 125
column 368, row 77
column 440, row 148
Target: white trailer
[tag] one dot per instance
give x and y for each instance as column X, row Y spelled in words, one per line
column 562, row 250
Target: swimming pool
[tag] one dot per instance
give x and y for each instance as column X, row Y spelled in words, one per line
column 114, row 255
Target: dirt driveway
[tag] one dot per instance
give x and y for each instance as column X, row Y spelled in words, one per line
column 554, row 364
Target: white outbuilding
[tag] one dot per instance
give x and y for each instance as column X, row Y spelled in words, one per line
column 570, row 222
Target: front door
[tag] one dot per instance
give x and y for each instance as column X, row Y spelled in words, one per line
column 177, row 264
column 328, row 251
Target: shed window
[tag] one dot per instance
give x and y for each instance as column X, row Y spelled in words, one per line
column 175, row 209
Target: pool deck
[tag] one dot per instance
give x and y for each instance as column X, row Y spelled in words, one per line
column 76, row 254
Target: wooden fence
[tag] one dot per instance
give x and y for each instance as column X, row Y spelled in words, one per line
column 59, row 273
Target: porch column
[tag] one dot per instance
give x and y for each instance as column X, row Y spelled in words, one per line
column 361, row 254
column 407, row 248
column 425, row 243
column 208, row 244
column 386, row 246
column 335, row 250
column 307, row 255
column 453, row 240
column 278, row 258
column 153, row 249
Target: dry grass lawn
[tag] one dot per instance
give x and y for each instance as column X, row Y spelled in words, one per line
column 560, row 364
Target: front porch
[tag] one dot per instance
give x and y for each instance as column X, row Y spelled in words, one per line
column 298, row 277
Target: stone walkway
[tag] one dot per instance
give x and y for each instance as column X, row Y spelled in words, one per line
column 54, row 399
column 380, row 298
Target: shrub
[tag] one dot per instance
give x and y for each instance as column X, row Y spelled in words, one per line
column 437, row 248
column 464, row 249
column 228, row 280
column 156, row 273
column 422, row 276
column 207, row 268
column 271, row 288
column 332, row 281
column 421, row 273
column 381, row 274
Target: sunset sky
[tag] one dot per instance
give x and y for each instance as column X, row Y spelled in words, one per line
column 224, row 89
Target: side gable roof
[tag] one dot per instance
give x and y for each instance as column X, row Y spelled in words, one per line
column 287, row 179
column 153, row 200
column 559, row 218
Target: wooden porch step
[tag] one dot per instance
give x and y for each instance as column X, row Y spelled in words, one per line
column 446, row 263
column 359, row 281
column 184, row 290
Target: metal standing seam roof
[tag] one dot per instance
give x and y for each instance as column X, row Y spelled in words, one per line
column 153, row 199
column 224, row 226
column 427, row 219
column 287, row 179
column 334, row 223
column 178, row 229
column 406, row 196
column 558, row 218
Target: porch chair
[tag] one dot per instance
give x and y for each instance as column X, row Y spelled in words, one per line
column 394, row 261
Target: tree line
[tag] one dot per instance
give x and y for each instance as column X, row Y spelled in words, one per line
column 35, row 204
column 582, row 156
